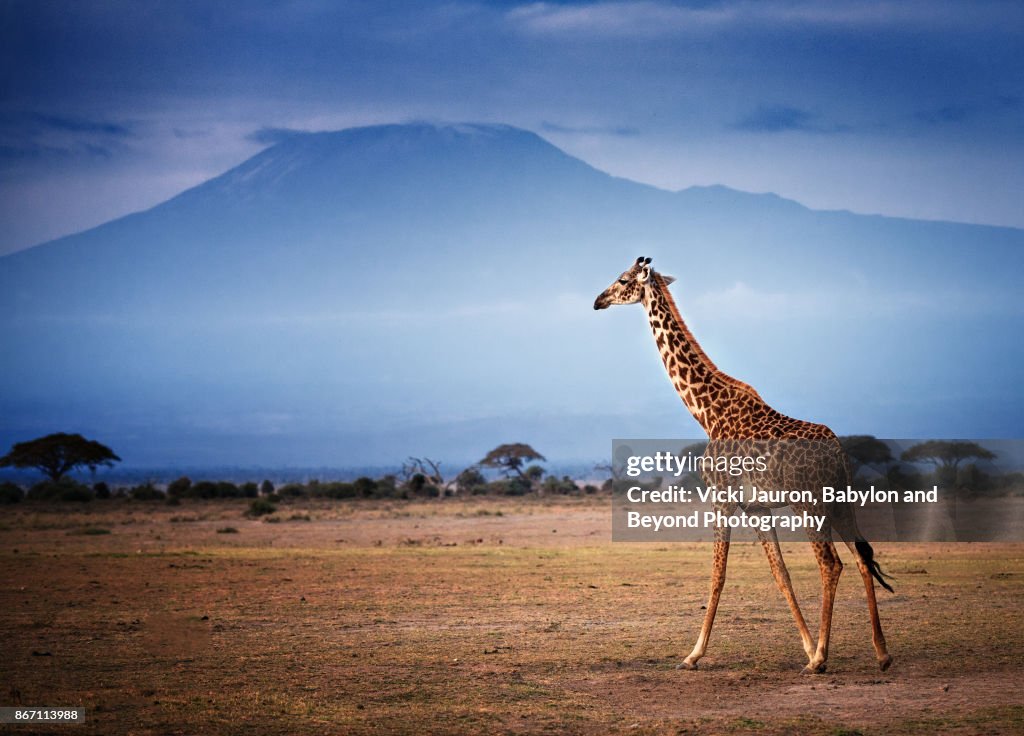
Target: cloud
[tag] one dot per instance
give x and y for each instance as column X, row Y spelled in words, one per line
column 34, row 136
column 272, row 136
column 775, row 118
column 615, row 130
column 781, row 118
column 740, row 301
column 614, row 19
column 657, row 18
column 81, row 125
column 959, row 112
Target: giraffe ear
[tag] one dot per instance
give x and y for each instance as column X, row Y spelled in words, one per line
column 667, row 279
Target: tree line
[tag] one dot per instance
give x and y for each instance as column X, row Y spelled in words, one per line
column 57, row 456
column 956, row 465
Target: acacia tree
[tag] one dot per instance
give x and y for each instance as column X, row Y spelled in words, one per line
column 865, row 449
column 946, row 455
column 58, row 454
column 510, row 459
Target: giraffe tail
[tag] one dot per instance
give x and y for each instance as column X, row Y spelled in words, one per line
column 868, row 555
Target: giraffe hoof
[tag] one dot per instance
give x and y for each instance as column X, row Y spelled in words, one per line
column 684, row 665
column 884, row 664
column 815, row 670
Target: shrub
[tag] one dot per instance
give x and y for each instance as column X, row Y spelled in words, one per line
column 261, row 507
column 101, row 490
column 365, row 487
column 509, row 487
column 335, row 490
column 534, row 473
column 387, row 487
column 565, row 486
column 179, row 487
column 291, row 490
column 250, row 490
column 210, row 489
column 471, row 480
column 146, row 492
column 416, row 483
column 11, row 492
column 65, row 489
column 266, row 488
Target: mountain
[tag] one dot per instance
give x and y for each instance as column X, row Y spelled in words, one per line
column 358, row 296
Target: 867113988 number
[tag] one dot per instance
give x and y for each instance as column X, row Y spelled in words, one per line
column 42, row 715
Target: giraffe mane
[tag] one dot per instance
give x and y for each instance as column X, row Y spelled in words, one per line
column 701, row 355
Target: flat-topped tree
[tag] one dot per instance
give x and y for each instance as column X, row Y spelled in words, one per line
column 946, row 455
column 865, row 449
column 510, row 459
column 58, row 454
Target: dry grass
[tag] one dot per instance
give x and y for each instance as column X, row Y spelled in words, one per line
column 477, row 616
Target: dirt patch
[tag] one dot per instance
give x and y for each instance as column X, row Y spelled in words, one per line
column 479, row 615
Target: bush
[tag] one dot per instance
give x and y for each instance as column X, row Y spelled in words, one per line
column 387, row 487
column 416, row 483
column 365, row 487
column 65, row 489
column 179, row 487
column 101, row 490
column 534, row 473
column 266, row 488
column 261, row 507
column 509, row 487
column 471, row 480
column 565, row 486
column 335, row 490
column 11, row 492
column 250, row 490
column 146, row 492
column 291, row 490
column 210, row 489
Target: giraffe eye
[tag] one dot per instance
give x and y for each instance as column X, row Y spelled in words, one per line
column 623, row 281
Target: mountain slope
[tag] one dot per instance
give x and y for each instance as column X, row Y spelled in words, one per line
column 353, row 297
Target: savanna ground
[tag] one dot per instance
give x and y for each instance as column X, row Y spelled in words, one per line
column 477, row 615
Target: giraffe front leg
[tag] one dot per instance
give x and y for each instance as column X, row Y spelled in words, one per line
column 722, row 535
column 770, row 542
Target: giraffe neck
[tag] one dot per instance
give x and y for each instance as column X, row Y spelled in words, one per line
column 705, row 390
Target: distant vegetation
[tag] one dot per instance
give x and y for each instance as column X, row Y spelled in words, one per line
column 959, row 466
column 418, row 478
column 56, row 455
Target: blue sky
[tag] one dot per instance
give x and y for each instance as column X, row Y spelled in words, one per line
column 905, row 108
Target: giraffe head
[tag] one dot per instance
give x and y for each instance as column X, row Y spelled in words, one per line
column 629, row 287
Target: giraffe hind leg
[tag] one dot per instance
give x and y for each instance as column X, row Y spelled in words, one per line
column 831, row 568
column 845, row 523
column 864, row 565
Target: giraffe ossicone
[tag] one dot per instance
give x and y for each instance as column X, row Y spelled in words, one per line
column 731, row 411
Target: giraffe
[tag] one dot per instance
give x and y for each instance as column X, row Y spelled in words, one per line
column 736, row 418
